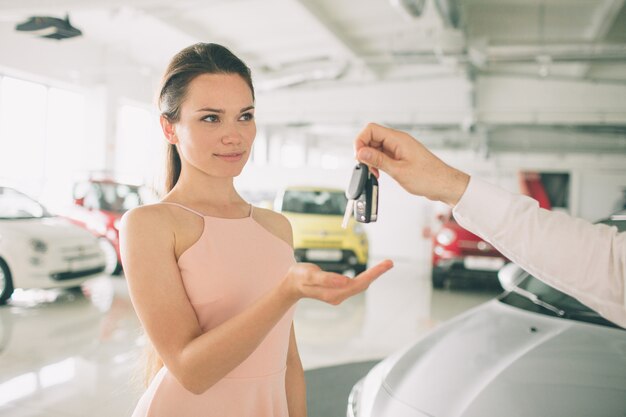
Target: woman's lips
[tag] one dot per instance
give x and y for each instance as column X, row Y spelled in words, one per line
column 230, row 157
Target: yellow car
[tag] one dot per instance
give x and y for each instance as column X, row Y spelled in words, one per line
column 315, row 215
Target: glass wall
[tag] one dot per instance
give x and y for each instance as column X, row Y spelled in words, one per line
column 41, row 139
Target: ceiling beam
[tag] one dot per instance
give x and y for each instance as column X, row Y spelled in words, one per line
column 335, row 32
column 601, row 25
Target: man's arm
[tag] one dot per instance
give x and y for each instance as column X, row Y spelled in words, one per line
column 584, row 260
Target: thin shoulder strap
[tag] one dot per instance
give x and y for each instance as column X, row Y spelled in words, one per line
column 183, row 207
column 251, row 207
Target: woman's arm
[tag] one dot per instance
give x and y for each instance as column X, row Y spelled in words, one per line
column 197, row 359
column 294, row 380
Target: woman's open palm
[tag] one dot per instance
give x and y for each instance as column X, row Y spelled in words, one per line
column 306, row 280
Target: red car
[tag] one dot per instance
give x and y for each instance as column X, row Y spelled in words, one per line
column 98, row 206
column 460, row 254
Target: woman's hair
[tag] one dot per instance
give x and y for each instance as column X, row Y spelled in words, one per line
column 198, row 59
column 195, row 60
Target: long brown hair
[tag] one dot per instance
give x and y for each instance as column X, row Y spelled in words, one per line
column 194, row 60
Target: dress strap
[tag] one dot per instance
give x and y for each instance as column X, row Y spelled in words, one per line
column 183, row 207
column 251, row 207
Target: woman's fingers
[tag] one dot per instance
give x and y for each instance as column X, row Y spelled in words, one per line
column 362, row 281
column 328, row 280
column 334, row 288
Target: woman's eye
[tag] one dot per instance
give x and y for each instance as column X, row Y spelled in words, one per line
column 211, row 118
column 247, row 116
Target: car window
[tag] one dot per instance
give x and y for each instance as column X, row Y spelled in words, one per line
column 117, row 198
column 314, row 202
column 15, row 205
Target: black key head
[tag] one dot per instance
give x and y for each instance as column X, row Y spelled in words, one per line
column 357, row 182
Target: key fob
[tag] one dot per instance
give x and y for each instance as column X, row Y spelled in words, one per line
column 366, row 205
column 357, row 182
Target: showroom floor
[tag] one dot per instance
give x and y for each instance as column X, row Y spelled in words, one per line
column 77, row 354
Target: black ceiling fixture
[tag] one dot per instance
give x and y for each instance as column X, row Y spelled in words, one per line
column 49, row 27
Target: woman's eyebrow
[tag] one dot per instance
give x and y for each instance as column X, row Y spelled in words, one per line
column 222, row 110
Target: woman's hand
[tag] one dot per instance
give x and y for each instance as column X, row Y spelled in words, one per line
column 305, row 280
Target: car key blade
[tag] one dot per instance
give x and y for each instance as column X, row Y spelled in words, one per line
column 348, row 213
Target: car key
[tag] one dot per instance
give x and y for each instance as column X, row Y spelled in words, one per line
column 354, row 190
column 366, row 206
column 362, row 194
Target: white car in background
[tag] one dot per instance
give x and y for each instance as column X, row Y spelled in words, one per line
column 533, row 351
column 39, row 250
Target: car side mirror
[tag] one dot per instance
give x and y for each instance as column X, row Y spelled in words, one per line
column 510, row 275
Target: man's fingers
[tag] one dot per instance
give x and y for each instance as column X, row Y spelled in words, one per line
column 375, row 159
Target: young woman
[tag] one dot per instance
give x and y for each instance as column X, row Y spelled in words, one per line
column 213, row 280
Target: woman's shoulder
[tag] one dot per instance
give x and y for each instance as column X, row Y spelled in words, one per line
column 147, row 217
column 274, row 222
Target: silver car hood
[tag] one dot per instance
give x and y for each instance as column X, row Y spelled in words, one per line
column 499, row 360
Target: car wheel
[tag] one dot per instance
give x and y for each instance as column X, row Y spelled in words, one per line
column 112, row 265
column 438, row 278
column 360, row 268
column 6, row 282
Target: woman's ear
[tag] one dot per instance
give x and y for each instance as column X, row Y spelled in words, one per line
column 168, row 130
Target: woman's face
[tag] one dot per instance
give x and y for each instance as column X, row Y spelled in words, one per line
column 216, row 127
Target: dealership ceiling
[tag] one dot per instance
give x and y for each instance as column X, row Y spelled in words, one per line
column 422, row 64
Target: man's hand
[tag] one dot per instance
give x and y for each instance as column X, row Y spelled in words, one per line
column 413, row 166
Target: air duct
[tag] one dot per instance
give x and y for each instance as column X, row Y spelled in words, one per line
column 410, row 8
column 450, row 12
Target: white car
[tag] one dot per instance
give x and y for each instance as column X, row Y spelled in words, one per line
column 533, row 351
column 38, row 250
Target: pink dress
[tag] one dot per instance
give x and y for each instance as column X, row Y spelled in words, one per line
column 233, row 263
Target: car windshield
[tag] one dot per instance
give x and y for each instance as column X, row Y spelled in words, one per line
column 618, row 221
column 15, row 205
column 572, row 308
column 117, row 198
column 315, row 202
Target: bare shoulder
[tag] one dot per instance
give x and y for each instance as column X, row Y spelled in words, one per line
column 152, row 219
column 275, row 223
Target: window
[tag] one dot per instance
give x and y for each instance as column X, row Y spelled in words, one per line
column 41, row 134
column 140, row 146
column 22, row 130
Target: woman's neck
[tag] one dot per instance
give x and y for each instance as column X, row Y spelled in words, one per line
column 206, row 191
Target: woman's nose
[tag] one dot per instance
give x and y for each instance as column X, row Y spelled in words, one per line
column 232, row 136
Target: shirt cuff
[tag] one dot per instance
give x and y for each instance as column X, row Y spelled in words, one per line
column 482, row 207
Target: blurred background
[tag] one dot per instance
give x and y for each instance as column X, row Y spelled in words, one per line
column 527, row 94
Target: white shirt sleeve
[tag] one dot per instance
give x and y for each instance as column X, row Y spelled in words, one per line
column 581, row 259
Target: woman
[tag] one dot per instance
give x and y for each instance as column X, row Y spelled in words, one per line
column 213, row 280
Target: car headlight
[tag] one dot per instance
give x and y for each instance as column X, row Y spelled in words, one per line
column 38, row 245
column 446, row 236
column 359, row 229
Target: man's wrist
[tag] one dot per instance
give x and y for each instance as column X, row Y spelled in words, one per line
column 458, row 184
